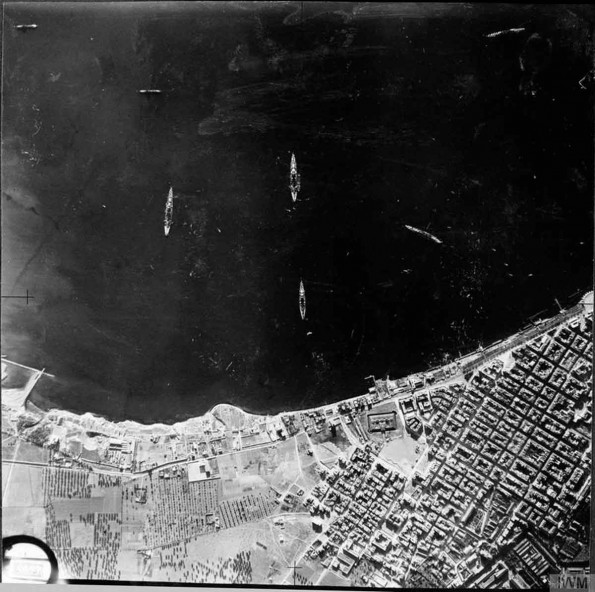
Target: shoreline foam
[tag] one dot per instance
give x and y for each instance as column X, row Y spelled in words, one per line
column 95, row 422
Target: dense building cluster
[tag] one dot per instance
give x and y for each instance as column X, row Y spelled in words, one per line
column 512, row 453
column 508, row 455
column 479, row 481
column 359, row 496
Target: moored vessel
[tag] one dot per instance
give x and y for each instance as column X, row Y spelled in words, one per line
column 424, row 233
column 302, row 300
column 169, row 211
column 294, row 178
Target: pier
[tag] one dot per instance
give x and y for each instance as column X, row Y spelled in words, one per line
column 16, row 398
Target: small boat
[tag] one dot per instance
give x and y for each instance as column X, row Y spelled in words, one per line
column 149, row 91
column 302, row 300
column 25, row 27
column 169, row 211
column 294, row 178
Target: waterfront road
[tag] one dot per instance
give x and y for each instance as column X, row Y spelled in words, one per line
column 519, row 339
column 488, row 355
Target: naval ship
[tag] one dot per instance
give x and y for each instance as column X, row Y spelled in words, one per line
column 149, row 91
column 25, row 27
column 169, row 211
column 424, row 233
column 302, row 300
column 294, row 178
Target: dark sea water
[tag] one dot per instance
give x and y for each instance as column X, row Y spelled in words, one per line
column 396, row 114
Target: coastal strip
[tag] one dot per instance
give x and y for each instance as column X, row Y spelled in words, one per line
column 215, row 424
column 487, row 454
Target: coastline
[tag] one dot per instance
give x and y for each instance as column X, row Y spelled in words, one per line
column 452, row 372
column 370, row 460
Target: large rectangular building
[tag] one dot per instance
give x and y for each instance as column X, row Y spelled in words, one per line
column 379, row 422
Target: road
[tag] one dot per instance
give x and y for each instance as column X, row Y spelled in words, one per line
column 489, row 354
column 9, row 476
column 522, row 338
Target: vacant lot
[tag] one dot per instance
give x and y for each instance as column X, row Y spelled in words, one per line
column 30, row 521
column 21, row 486
column 333, row 579
column 403, row 451
column 82, row 534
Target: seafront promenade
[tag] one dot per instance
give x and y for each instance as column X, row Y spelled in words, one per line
column 270, row 428
column 471, row 362
column 535, row 330
column 458, row 458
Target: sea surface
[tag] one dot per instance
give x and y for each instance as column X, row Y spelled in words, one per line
column 397, row 114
